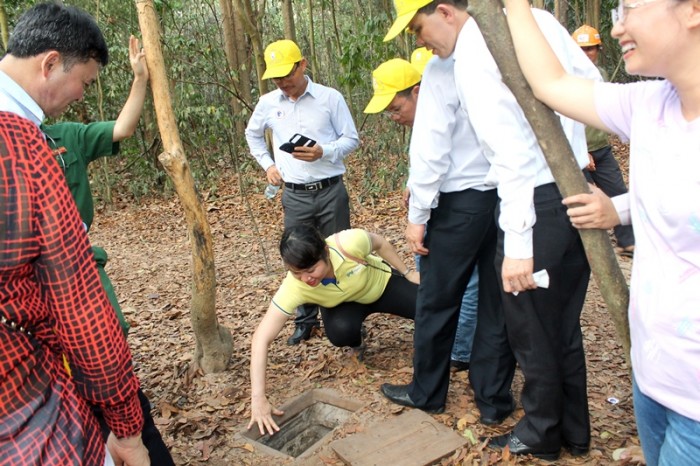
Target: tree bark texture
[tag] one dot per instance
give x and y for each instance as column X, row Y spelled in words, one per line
column 290, row 31
column 312, row 40
column 245, row 12
column 213, row 342
column 234, row 68
column 560, row 158
column 4, row 29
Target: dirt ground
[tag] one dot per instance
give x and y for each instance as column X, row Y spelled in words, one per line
column 200, row 416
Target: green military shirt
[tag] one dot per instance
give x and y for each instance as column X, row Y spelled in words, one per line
column 75, row 145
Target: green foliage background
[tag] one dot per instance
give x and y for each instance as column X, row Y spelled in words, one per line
column 347, row 50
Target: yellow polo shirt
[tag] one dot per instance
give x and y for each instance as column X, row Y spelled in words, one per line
column 355, row 282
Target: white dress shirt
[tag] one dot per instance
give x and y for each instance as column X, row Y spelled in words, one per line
column 517, row 163
column 320, row 114
column 14, row 99
column 445, row 155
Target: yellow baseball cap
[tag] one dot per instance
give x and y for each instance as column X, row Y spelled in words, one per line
column 405, row 11
column 388, row 79
column 280, row 58
column 420, row 57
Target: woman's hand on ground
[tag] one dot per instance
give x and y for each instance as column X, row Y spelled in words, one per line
column 261, row 412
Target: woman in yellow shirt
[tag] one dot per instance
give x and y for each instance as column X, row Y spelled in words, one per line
column 343, row 276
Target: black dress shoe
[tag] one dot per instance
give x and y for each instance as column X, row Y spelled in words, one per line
column 399, row 395
column 576, row 449
column 458, row 366
column 517, row 447
column 302, row 332
column 496, row 420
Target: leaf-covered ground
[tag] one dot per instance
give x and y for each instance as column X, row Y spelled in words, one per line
column 201, row 415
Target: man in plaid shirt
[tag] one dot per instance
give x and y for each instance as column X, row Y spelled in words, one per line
column 51, row 300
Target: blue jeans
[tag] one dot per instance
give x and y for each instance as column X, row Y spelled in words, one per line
column 668, row 438
column 462, row 348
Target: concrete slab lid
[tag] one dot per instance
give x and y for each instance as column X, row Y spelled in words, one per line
column 413, row 438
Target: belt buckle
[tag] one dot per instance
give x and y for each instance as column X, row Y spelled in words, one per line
column 317, row 186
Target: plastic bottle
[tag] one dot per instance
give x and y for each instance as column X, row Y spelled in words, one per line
column 271, row 191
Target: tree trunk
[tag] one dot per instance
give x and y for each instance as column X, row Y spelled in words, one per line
column 312, row 41
column 4, row 30
column 243, row 60
column 288, row 20
column 229, row 29
column 561, row 9
column 245, row 13
column 567, row 174
column 214, row 345
column 593, row 8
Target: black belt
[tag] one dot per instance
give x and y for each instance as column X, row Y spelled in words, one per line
column 316, row 185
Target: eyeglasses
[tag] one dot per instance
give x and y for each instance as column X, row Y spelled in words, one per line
column 618, row 14
column 395, row 110
column 294, row 68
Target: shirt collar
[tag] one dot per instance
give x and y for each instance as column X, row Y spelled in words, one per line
column 13, row 98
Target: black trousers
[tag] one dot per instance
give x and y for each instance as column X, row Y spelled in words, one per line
column 461, row 232
column 329, row 211
column 544, row 330
column 608, row 177
column 343, row 323
column 157, row 450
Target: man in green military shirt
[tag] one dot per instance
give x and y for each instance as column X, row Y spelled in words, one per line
column 75, row 145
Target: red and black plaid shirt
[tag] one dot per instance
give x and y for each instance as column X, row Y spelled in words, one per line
column 49, row 284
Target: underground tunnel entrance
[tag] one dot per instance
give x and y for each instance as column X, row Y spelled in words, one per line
column 306, row 423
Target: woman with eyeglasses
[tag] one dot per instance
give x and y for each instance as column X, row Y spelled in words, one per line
column 661, row 119
column 343, row 276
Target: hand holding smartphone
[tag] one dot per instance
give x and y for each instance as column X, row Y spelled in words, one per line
column 295, row 141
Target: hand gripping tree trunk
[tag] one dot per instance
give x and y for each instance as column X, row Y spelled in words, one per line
column 560, row 158
column 213, row 342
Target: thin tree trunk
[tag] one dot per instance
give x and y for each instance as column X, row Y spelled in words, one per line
column 290, row 31
column 4, row 30
column 593, row 13
column 245, row 13
column 243, row 60
column 567, row 174
column 214, row 345
column 561, row 11
column 312, row 40
column 229, row 29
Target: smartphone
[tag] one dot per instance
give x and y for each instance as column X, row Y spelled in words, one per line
column 295, row 141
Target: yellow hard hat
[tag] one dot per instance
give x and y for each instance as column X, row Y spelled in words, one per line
column 586, row 36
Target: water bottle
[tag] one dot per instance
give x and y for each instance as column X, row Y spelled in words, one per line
column 271, row 191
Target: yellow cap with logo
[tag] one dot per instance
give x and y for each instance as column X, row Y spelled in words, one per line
column 280, row 57
column 405, row 11
column 388, row 79
column 420, row 57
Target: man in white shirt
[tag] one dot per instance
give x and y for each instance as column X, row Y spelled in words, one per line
column 450, row 202
column 312, row 175
column 542, row 323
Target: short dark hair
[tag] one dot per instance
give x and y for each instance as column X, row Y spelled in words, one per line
column 302, row 246
column 429, row 9
column 68, row 30
column 408, row 91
